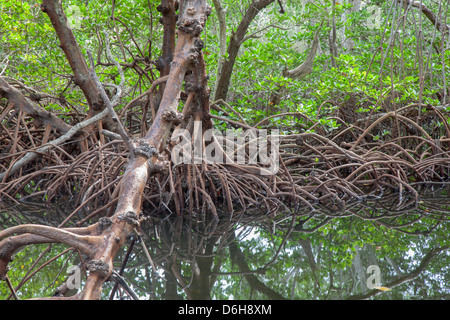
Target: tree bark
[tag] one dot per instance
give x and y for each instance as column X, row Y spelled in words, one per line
column 77, row 62
column 68, row 43
column 403, row 278
column 147, row 158
column 222, row 39
column 169, row 18
column 441, row 26
column 73, row 131
column 233, row 47
column 103, row 240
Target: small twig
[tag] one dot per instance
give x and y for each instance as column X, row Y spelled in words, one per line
column 146, row 251
column 11, row 287
column 110, row 134
column 120, row 280
column 234, row 123
column 122, row 268
column 215, row 106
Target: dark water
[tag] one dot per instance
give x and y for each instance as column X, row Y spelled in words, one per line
column 390, row 248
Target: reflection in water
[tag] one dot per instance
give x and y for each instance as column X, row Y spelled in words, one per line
column 390, row 248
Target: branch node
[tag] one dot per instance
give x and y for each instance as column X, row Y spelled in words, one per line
column 98, row 266
column 198, row 44
column 104, row 223
column 190, row 26
column 191, row 11
column 145, row 149
column 130, row 217
column 163, row 9
column 159, row 165
column 193, row 57
column 208, row 10
column 172, row 116
column 190, row 86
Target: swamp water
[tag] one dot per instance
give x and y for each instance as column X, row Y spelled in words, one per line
column 390, row 248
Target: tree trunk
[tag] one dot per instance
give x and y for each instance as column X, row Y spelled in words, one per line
column 238, row 258
column 76, row 60
column 233, row 47
column 147, row 157
column 222, row 39
column 101, row 241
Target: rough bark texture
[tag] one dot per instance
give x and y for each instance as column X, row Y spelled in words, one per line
column 102, row 241
column 336, row 164
column 168, row 10
column 193, row 17
column 76, row 60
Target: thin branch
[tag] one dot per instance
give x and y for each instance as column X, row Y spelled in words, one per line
column 111, row 104
column 80, row 242
column 18, row 101
column 120, row 280
column 404, row 278
column 254, row 34
column 221, row 17
column 11, row 287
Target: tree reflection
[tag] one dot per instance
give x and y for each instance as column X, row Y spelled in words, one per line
column 290, row 254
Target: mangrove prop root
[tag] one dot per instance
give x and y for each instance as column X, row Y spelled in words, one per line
column 319, row 177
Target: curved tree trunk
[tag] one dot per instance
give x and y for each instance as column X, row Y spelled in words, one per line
column 147, row 156
column 223, row 82
column 101, row 241
column 239, row 259
column 76, row 60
